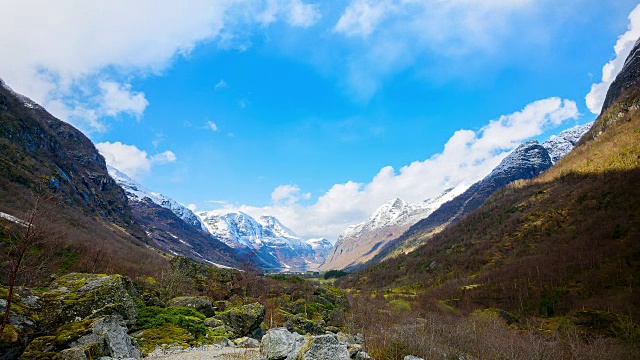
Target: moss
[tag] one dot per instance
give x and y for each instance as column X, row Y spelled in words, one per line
column 41, row 348
column 166, row 335
column 72, row 331
column 10, row 336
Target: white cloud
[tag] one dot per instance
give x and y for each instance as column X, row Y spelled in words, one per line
column 212, row 126
column 288, row 194
column 388, row 36
column 61, row 52
column 118, row 98
column 595, row 98
column 467, row 157
column 363, row 16
column 192, row 207
column 131, row 160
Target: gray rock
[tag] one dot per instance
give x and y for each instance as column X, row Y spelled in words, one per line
column 324, row 347
column 200, row 303
column 362, row 356
column 213, row 323
column 74, row 353
column 354, row 349
column 74, row 297
column 411, row 357
column 278, row 344
column 244, row 319
column 111, row 336
column 247, row 342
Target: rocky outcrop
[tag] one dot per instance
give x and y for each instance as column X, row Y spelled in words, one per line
column 243, row 320
column 35, row 145
column 75, row 297
column 280, row 344
column 87, row 339
column 200, row 303
column 628, row 77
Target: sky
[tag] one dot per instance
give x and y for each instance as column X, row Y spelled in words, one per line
column 316, row 112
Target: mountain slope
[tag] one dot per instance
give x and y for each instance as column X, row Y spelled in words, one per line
column 266, row 240
column 360, row 243
column 564, row 243
column 43, row 154
column 525, row 162
column 172, row 227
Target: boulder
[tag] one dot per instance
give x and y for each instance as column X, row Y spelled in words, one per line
column 246, row 342
column 87, row 339
column 244, row 319
column 152, row 300
column 75, row 297
column 279, row 344
column 362, row 356
column 200, row 303
column 411, row 357
column 111, row 336
column 324, row 347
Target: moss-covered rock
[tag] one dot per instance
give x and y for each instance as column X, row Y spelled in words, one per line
column 244, row 319
column 75, row 297
column 23, row 319
column 201, row 303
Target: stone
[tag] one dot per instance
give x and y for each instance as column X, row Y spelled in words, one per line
column 110, row 335
column 213, row 322
column 200, row 303
column 411, row 357
column 354, row 349
column 75, row 297
column 246, row 342
column 362, row 356
column 324, row 347
column 72, row 354
column 152, row 300
column 244, row 319
column 279, row 344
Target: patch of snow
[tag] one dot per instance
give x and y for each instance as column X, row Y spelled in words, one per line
column 13, row 219
column 136, row 192
column 558, row 146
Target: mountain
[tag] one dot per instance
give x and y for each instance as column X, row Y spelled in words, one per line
column 525, row 162
column 360, row 243
column 267, row 240
column 559, row 145
column 381, row 235
column 172, row 227
column 560, row 247
column 41, row 154
column 136, row 192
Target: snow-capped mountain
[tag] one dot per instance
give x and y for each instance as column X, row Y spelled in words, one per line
column 172, row 227
column 136, row 192
column 361, row 242
column 275, row 245
column 381, row 233
column 559, row 145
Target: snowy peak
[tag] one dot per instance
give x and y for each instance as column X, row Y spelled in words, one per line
column 319, row 244
column 559, row 145
column 136, row 192
column 528, row 157
column 274, row 244
column 274, row 228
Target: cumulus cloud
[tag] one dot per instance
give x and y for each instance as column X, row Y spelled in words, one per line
column 61, row 53
column 118, row 98
column 595, row 98
column 466, row 157
column 131, row 160
column 288, row 194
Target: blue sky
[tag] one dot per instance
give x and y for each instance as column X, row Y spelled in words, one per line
column 315, row 112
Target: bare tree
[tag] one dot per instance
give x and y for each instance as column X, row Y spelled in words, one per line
column 25, row 246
